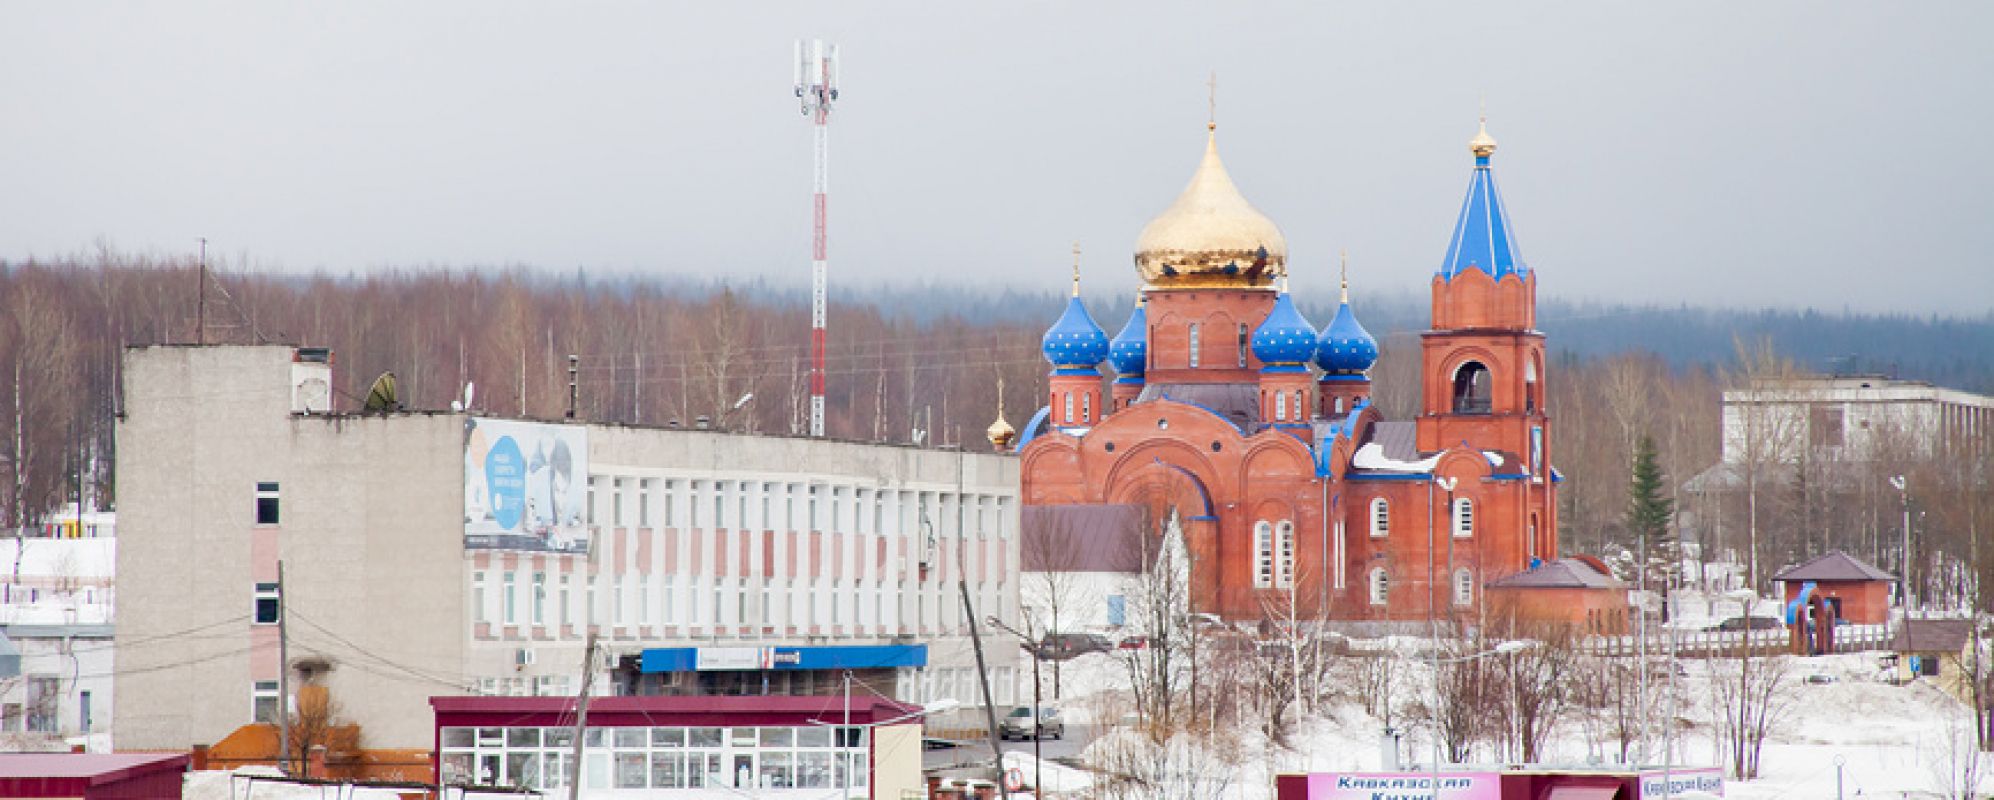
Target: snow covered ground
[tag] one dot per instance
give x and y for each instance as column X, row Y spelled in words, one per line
column 1890, row 741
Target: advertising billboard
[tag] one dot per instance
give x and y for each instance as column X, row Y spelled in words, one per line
column 525, row 486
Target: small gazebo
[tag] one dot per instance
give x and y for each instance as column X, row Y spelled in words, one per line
column 1851, row 588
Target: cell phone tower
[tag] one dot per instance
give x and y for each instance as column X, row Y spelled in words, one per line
column 817, row 86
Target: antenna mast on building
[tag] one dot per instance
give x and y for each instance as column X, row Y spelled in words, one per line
column 816, row 81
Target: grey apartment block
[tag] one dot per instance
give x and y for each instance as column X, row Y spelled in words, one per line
column 388, row 606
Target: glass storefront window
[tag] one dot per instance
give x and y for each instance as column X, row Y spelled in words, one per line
column 813, row 770
column 813, row 737
column 701, row 737
column 631, row 771
column 777, row 770
column 772, row 757
column 667, row 770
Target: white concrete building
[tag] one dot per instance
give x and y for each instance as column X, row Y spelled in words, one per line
column 57, row 602
column 1851, row 418
column 447, row 553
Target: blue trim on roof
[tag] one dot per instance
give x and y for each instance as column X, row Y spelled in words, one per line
column 1031, row 430
column 1483, row 237
column 1334, row 378
column 1203, row 494
column 1510, row 476
column 1205, row 408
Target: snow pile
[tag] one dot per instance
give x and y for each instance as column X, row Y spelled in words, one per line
column 237, row 785
column 1057, row 777
column 1372, row 456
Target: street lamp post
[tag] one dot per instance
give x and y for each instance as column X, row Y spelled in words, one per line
column 1032, row 644
column 1904, row 577
column 1509, row 648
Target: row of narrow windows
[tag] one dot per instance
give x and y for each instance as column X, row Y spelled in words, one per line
column 1381, row 587
column 1461, row 521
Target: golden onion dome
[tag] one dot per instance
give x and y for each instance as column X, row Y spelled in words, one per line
column 1483, row 145
column 1211, row 236
column 1000, row 433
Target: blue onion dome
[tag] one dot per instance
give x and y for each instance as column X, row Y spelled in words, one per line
column 1285, row 340
column 1074, row 342
column 1345, row 347
column 1129, row 352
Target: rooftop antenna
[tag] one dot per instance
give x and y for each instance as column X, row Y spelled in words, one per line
column 816, row 83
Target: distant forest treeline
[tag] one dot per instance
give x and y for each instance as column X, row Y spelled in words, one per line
column 902, row 358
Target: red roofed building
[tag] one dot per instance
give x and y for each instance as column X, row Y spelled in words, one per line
column 1234, row 422
column 1855, row 590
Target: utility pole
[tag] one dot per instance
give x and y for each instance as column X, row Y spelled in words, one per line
column 201, row 296
column 581, row 719
column 817, row 85
column 283, row 675
column 969, row 613
column 1904, row 579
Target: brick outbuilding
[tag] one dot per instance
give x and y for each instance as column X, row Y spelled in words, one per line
column 1857, row 591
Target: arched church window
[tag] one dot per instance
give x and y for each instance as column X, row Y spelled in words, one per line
column 1281, row 406
column 1244, row 339
column 1263, row 555
column 1338, row 410
column 1381, row 587
column 1464, row 587
column 1471, row 388
column 1464, row 518
column 1069, row 407
column 1284, row 554
column 1086, row 407
column 1381, row 517
column 1299, row 416
column 1194, row 345
column 1530, row 386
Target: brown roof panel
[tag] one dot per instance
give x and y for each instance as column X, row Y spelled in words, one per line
column 1833, row 566
column 1564, row 573
column 1084, row 538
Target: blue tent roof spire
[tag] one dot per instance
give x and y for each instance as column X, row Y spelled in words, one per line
column 1483, row 238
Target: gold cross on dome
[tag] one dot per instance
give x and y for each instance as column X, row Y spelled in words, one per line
column 1212, row 102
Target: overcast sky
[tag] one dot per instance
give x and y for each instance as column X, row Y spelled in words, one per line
column 1766, row 153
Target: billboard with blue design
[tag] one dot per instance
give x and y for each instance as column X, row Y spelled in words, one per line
column 525, row 486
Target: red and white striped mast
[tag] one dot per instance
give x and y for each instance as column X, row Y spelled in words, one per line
column 817, row 86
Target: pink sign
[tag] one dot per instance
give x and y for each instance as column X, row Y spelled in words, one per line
column 1403, row 786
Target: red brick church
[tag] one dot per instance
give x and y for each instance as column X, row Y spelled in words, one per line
column 1229, row 412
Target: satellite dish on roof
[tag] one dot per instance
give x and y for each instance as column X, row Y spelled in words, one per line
column 381, row 397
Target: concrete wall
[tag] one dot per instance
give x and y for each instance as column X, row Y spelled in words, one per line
column 370, row 533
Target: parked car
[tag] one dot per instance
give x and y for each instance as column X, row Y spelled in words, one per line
column 1018, row 724
column 1133, row 643
column 1748, row 623
column 1059, row 646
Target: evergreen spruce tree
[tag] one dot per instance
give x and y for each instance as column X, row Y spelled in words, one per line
column 1650, row 509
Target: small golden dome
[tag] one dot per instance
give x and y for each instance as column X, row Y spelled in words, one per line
column 1000, row 433
column 1483, row 145
column 1211, row 236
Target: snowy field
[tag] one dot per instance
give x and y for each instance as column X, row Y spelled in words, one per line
column 1891, row 741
